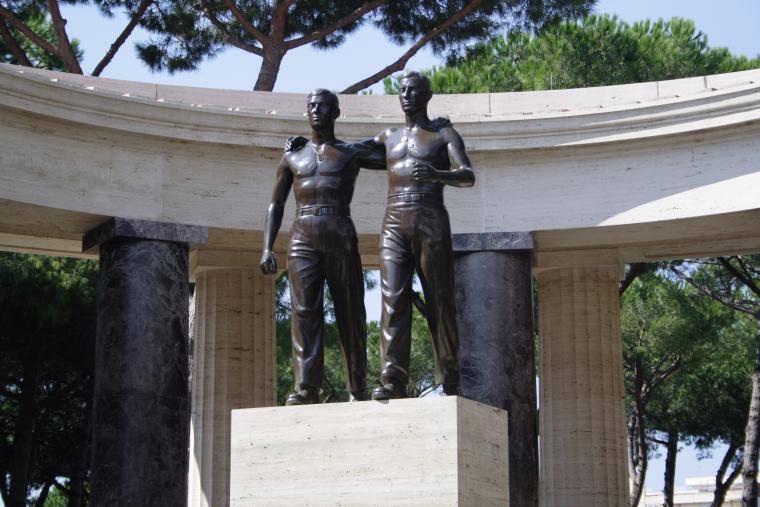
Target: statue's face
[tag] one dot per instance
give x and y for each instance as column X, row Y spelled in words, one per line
column 321, row 111
column 413, row 94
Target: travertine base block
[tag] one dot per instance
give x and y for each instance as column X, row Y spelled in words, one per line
column 435, row 451
column 234, row 366
column 582, row 422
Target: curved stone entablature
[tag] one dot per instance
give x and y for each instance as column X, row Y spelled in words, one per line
column 584, row 168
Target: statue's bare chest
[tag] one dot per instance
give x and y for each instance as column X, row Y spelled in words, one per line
column 414, row 143
column 316, row 162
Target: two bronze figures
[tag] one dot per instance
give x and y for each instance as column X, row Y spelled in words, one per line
column 420, row 158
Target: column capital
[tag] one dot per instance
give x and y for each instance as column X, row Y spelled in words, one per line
column 126, row 228
column 598, row 258
column 491, row 241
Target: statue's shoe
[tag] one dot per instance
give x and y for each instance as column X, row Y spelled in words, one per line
column 388, row 392
column 302, row 397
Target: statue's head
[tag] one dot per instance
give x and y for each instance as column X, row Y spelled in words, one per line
column 414, row 91
column 322, row 108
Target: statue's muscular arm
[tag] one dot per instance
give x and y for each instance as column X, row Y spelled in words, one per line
column 371, row 152
column 460, row 174
column 282, row 186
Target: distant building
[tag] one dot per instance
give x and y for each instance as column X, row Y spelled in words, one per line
column 697, row 493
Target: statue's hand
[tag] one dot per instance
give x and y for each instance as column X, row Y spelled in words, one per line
column 268, row 263
column 424, row 172
column 295, row 143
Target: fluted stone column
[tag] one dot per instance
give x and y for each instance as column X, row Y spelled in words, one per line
column 141, row 405
column 496, row 353
column 582, row 411
column 234, row 363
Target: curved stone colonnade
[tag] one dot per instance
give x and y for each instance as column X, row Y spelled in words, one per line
column 599, row 177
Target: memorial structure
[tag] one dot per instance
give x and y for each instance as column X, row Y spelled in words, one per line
column 572, row 184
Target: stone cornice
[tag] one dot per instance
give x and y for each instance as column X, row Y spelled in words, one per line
column 488, row 122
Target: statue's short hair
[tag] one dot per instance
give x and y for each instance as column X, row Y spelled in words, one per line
column 324, row 91
column 413, row 74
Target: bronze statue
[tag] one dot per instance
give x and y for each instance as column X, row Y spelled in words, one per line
column 323, row 247
column 421, row 157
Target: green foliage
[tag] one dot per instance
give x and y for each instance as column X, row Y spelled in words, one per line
column 688, row 363
column 706, row 398
column 40, row 23
column 186, row 31
column 47, row 333
column 181, row 38
column 56, row 498
column 596, row 51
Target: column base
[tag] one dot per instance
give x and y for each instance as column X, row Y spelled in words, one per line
column 443, row 451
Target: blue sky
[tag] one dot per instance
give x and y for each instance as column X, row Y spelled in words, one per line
column 730, row 23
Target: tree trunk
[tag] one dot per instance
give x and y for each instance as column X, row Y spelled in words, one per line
column 21, row 453
column 270, row 67
column 751, row 438
column 721, row 486
column 670, row 467
column 76, row 483
column 639, row 447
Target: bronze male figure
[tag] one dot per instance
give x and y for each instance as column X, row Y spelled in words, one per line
column 421, row 157
column 323, row 247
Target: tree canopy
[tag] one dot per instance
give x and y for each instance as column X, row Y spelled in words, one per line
column 598, row 50
column 47, row 337
column 18, row 49
column 33, row 31
column 187, row 31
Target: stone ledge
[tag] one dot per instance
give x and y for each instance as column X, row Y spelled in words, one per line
column 434, row 451
column 193, row 235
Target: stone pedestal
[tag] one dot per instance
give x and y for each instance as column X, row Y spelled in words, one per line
column 435, row 451
column 141, row 405
column 234, row 363
column 582, row 423
column 496, row 355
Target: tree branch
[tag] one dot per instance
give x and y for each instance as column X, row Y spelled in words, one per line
column 279, row 20
column 122, row 37
column 634, row 270
column 23, row 28
column 252, row 30
column 346, row 20
column 663, row 376
column 13, row 45
column 401, row 62
column 227, row 35
column 64, row 44
column 745, row 277
column 705, row 292
column 728, row 457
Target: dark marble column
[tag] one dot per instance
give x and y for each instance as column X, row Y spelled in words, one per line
column 496, row 353
column 141, row 407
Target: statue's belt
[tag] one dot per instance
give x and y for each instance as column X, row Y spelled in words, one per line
column 318, row 211
column 414, row 197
